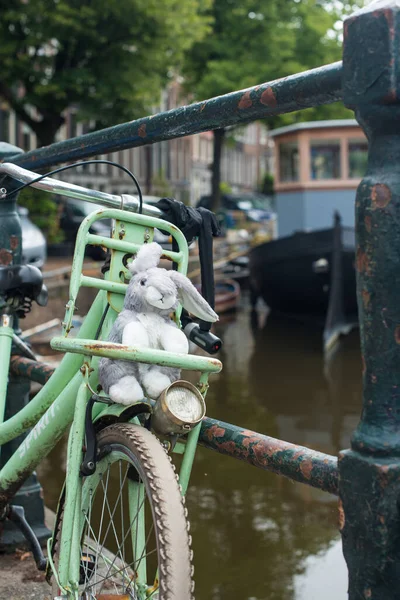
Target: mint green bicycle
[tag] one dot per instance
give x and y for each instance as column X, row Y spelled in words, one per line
column 121, row 529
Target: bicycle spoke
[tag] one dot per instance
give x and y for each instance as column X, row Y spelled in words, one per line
column 145, row 546
column 136, row 531
column 101, row 527
column 113, row 527
column 122, row 516
column 129, row 565
column 129, row 529
column 87, row 529
column 111, row 516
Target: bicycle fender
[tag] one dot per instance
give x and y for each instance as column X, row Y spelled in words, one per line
column 116, row 413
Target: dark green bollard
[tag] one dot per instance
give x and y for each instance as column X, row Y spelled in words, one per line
column 30, row 494
column 369, row 473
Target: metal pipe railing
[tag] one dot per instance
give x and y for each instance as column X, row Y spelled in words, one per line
column 270, row 454
column 302, row 90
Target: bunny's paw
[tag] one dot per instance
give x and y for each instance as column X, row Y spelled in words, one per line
column 126, row 391
column 155, row 383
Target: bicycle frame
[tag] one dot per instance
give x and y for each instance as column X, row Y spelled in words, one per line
column 62, row 400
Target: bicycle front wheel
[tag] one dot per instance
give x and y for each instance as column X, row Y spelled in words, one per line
column 135, row 543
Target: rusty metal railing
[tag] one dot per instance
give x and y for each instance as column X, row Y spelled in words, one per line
column 367, row 477
column 296, row 462
column 303, row 90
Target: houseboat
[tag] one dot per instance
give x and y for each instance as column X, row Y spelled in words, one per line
column 308, row 271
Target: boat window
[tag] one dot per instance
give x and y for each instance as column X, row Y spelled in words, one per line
column 325, row 159
column 289, row 161
column 358, row 158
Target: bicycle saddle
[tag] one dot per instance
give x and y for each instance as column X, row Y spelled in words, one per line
column 23, row 280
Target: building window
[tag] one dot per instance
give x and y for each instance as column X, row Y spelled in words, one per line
column 358, row 158
column 289, row 161
column 325, row 159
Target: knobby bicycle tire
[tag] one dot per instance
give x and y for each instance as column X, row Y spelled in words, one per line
column 148, row 464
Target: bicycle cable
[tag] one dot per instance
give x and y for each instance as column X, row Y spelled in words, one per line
column 79, row 164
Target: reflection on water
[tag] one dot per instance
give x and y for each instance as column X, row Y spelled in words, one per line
column 258, row 536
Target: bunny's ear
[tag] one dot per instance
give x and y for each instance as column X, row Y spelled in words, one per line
column 147, row 257
column 191, row 299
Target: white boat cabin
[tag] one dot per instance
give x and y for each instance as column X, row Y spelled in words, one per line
column 318, row 166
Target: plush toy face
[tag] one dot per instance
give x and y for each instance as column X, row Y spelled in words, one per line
column 153, row 289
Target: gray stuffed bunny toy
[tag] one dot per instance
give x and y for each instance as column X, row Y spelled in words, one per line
column 145, row 322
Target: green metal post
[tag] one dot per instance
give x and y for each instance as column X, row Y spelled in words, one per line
column 30, row 494
column 369, row 473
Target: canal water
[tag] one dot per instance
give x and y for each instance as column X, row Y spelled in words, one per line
column 258, row 536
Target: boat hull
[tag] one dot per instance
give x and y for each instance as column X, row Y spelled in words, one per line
column 227, row 295
column 293, row 274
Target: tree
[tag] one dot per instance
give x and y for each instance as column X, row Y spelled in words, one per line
column 256, row 41
column 107, row 58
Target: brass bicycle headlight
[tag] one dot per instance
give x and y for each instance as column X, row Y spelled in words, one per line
column 179, row 408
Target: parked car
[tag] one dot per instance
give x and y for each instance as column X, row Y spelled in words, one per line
column 256, row 207
column 72, row 213
column 251, row 211
column 34, row 246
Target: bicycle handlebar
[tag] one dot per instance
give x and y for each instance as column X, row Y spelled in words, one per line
column 143, row 355
column 55, row 186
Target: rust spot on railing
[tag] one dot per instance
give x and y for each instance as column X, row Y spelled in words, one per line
column 14, row 242
column 362, row 262
column 366, row 296
column 215, row 431
column 268, row 97
column 397, row 334
column 5, row 257
column 342, row 518
column 261, row 451
column 306, row 468
column 380, row 195
column 142, row 131
column 229, row 448
column 245, row 101
column 383, row 476
column 368, row 223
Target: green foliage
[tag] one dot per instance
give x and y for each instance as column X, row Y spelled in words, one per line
column 161, row 186
column 267, row 184
column 108, row 58
column 225, row 188
column 259, row 40
column 43, row 211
